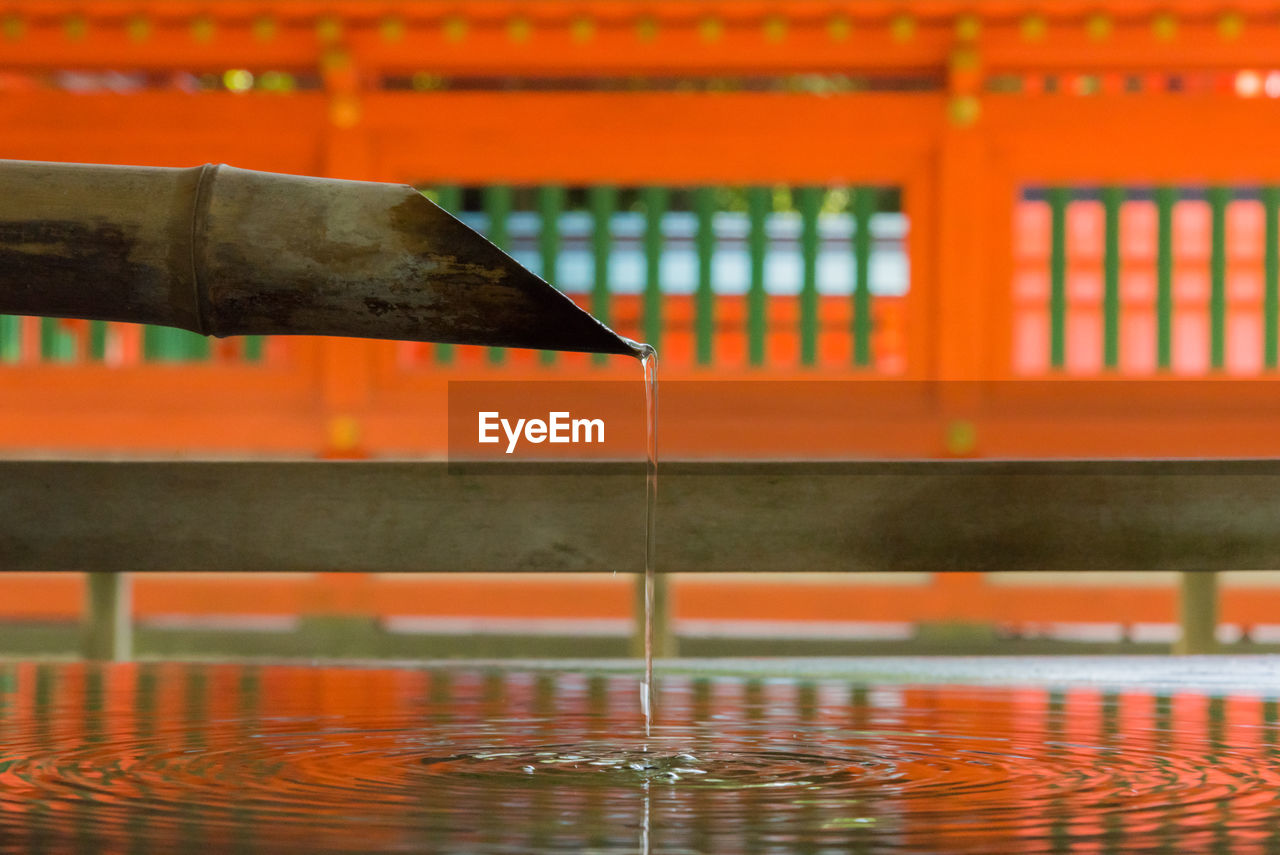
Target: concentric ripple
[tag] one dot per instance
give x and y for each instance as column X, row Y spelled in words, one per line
column 222, row 758
column 659, row 761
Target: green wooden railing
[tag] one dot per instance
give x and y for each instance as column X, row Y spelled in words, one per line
column 602, row 203
column 1165, row 199
column 57, row 344
column 1112, row 199
column 165, row 344
column 10, row 338
column 601, row 206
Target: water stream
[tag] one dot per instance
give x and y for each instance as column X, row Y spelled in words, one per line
column 649, row 361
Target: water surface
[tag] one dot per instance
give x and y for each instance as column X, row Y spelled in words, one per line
column 230, row 758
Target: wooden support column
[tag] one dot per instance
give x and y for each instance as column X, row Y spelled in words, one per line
column 345, row 363
column 963, row 315
column 1197, row 613
column 965, row 249
column 346, row 153
column 107, row 625
column 341, row 607
column 960, row 290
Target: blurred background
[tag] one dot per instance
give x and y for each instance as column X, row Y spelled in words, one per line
column 968, row 193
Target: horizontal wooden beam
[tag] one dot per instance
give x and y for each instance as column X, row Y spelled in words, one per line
column 460, row 137
column 688, row 138
column 804, row 516
column 550, row 37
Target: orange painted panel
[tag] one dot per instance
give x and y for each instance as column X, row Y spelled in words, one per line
column 638, row 138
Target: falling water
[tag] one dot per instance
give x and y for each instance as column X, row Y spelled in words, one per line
column 649, row 360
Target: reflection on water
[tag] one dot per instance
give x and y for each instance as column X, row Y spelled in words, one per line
column 126, row 758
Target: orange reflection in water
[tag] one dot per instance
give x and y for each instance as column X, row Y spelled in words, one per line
column 246, row 758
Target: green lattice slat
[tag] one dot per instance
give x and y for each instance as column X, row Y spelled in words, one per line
column 10, row 338
column 864, row 205
column 167, row 344
column 158, row 344
column 1165, row 199
column 56, row 345
column 1219, row 197
column 759, row 202
column 809, row 201
column 97, row 341
column 704, row 206
column 195, row 347
column 1058, row 200
column 1112, row 200
column 254, row 346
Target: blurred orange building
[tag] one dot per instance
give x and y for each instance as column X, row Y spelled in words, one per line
column 987, row 191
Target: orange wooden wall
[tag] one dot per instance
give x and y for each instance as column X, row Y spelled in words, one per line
column 924, row 113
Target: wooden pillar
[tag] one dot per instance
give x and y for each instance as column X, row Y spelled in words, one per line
column 1197, row 613
column 107, row 625
column 340, row 605
column 962, row 290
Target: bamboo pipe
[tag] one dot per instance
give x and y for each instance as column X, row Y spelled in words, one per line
column 224, row 251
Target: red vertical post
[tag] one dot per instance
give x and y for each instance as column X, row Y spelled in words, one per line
column 346, row 364
column 962, row 285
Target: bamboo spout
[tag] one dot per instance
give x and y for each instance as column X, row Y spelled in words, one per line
column 225, row 251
